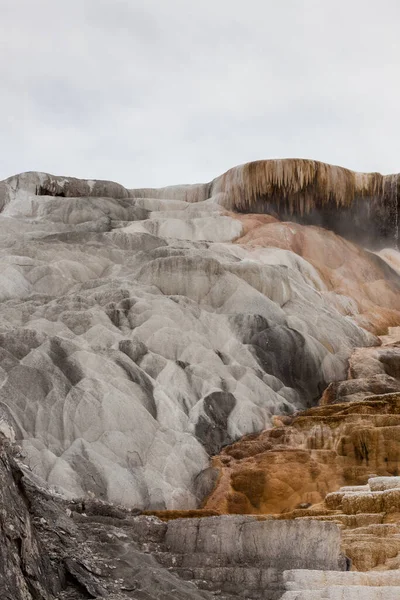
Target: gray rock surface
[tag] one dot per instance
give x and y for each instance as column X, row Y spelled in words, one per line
column 247, row 540
column 136, row 339
column 334, row 585
column 51, row 548
column 345, row 593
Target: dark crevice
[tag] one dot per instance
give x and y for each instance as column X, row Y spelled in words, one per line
column 43, row 191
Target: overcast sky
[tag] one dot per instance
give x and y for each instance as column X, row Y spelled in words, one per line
column 156, row 92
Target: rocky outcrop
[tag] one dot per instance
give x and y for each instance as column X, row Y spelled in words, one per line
column 315, row 585
column 352, row 434
column 370, row 517
column 336, row 462
column 356, row 282
column 143, row 330
column 299, row 463
column 52, row 548
column 244, row 556
column 137, row 339
column 363, row 207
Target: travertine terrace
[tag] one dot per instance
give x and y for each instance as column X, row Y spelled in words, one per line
column 143, row 332
column 336, row 462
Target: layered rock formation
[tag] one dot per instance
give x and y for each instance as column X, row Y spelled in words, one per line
column 316, row 585
column 137, row 339
column 336, row 462
column 141, row 331
column 361, row 206
column 51, row 548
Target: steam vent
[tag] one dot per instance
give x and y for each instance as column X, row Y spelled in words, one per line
column 200, row 387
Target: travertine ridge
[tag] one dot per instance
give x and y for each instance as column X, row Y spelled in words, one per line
column 143, row 331
column 137, row 339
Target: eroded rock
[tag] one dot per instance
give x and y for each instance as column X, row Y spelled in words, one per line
column 52, row 548
column 136, row 339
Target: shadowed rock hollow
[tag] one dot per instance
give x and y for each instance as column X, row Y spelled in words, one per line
column 143, row 330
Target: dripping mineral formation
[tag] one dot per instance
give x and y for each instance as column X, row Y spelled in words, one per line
column 144, row 331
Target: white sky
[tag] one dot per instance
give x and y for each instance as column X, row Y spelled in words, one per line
column 156, row 92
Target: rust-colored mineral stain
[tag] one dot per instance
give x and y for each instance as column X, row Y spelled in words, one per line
column 287, row 471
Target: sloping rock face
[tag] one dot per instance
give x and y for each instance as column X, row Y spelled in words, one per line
column 55, row 549
column 353, row 433
column 337, row 462
column 143, row 330
column 359, row 284
column 71, row 551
